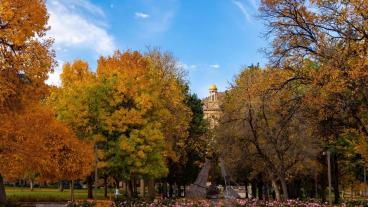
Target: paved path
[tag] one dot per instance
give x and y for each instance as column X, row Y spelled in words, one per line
column 43, row 204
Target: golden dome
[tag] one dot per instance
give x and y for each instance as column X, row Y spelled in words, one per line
column 213, row 87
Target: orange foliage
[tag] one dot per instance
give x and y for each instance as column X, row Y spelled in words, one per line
column 76, row 72
column 35, row 142
column 25, row 55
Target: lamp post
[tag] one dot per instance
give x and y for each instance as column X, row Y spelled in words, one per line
column 365, row 180
column 329, row 175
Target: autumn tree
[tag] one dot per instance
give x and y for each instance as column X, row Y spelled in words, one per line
column 25, row 59
column 186, row 110
column 333, row 36
column 77, row 104
column 65, row 157
column 192, row 155
column 77, row 72
column 154, row 100
column 59, row 154
column 133, row 108
column 269, row 124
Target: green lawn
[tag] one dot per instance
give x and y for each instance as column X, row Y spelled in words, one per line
column 18, row 194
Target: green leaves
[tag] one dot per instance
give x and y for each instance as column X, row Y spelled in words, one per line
column 131, row 105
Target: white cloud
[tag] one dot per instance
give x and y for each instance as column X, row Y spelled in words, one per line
column 187, row 66
column 141, row 15
column 160, row 18
column 86, row 5
column 162, row 23
column 215, row 66
column 243, row 10
column 72, row 26
column 77, row 24
column 54, row 77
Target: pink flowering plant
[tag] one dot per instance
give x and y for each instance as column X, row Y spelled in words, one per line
column 220, row 203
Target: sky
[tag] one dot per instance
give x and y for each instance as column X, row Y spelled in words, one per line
column 211, row 39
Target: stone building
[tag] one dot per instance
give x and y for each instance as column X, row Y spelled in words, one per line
column 212, row 112
column 212, row 106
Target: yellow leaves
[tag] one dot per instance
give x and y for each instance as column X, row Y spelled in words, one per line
column 262, row 119
column 141, row 154
column 357, row 141
column 121, row 119
column 125, row 146
column 76, row 73
column 137, row 106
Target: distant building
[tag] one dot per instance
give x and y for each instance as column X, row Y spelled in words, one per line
column 212, row 106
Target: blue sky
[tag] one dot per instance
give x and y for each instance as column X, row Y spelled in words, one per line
column 212, row 39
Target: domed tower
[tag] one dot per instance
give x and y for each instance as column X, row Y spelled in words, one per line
column 211, row 106
column 212, row 113
column 213, row 92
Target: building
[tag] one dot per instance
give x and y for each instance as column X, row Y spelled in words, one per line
column 212, row 106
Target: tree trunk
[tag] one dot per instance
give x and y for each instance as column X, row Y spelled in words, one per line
column 90, row 187
column 276, row 189
column 316, row 185
column 260, row 188
column 151, row 189
column 141, row 188
column 105, row 187
column 125, row 187
column 61, row 186
column 171, row 189
column 2, row 191
column 134, row 183
column 246, row 190
column 323, row 183
column 284, row 188
column 352, row 191
column 164, row 189
column 72, row 191
column 335, row 179
column 31, row 184
column 129, row 189
column 267, row 192
column 254, row 189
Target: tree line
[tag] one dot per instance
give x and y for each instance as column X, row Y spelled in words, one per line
column 280, row 121
column 134, row 118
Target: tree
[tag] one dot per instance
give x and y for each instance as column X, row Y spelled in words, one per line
column 196, row 146
column 133, row 108
column 269, row 124
column 25, row 58
column 333, row 36
column 185, row 170
column 59, row 154
column 179, row 126
column 77, row 104
column 154, row 102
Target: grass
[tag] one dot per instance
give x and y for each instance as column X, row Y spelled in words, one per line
column 19, row 194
